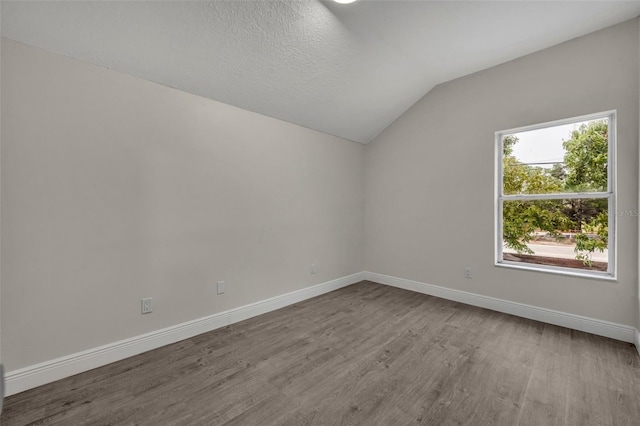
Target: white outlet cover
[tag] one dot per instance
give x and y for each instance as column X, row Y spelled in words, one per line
column 147, row 305
column 220, row 287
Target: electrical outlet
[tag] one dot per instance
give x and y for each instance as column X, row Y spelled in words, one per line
column 147, row 305
column 220, row 287
column 312, row 268
column 467, row 272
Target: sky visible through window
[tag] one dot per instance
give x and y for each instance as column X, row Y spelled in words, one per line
column 543, row 147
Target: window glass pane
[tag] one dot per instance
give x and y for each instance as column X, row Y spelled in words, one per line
column 567, row 233
column 567, row 158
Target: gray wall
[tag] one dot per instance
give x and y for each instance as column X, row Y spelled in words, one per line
column 115, row 188
column 429, row 177
column 0, row 202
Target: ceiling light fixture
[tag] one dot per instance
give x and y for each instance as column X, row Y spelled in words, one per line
column 344, row 1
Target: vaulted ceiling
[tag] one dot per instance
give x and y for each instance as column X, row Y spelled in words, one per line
column 347, row 70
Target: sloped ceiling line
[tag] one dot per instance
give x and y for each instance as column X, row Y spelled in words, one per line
column 346, row 70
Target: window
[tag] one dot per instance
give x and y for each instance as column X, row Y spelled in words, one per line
column 555, row 196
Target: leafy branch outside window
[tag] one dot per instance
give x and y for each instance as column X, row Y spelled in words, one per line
column 584, row 169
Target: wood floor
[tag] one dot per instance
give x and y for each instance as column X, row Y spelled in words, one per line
column 367, row 354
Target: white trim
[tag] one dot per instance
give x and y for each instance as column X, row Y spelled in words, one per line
column 591, row 275
column 616, row 331
column 570, row 120
column 557, row 196
column 49, row 371
column 612, row 187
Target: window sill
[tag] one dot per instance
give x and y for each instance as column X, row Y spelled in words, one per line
column 595, row 275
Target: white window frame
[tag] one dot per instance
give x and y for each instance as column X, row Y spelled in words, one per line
column 610, row 195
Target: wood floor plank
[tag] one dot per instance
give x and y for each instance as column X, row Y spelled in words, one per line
column 367, row 354
column 603, row 382
column 546, row 396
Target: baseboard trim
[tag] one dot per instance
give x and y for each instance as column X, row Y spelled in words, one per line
column 621, row 332
column 49, row 371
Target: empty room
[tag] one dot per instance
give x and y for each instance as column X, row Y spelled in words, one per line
column 305, row 212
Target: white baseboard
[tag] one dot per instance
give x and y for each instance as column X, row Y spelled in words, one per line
column 621, row 332
column 49, row 371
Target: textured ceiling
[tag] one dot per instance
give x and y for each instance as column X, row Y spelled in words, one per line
column 346, row 70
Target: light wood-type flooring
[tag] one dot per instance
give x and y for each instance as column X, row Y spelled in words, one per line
column 367, row 354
